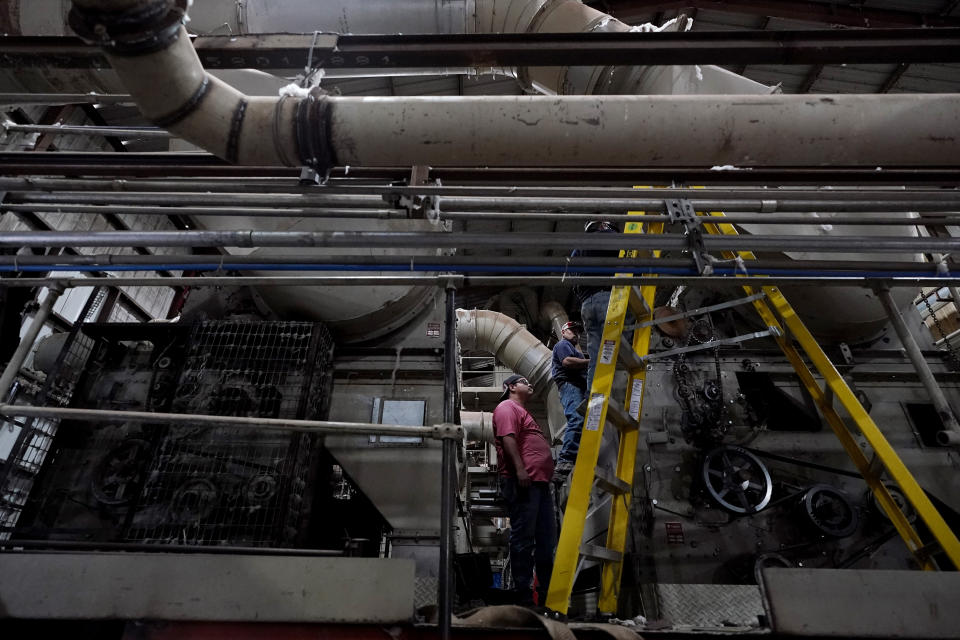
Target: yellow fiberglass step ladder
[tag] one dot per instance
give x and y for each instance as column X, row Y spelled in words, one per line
column 601, row 408
column 885, row 458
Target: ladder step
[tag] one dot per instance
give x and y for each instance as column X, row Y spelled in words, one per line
column 596, row 552
column 628, row 357
column 619, row 417
column 637, row 304
column 610, row 482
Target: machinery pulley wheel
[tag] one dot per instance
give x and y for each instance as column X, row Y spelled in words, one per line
column 830, row 511
column 737, row 480
column 194, row 501
column 701, row 331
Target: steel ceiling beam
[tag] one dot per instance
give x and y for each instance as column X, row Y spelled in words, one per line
column 285, row 51
column 822, row 12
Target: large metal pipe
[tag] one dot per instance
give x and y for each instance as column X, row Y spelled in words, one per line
column 517, row 349
column 478, row 425
column 28, row 338
column 951, row 433
column 172, row 89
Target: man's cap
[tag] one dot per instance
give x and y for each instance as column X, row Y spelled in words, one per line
column 573, row 325
column 599, row 225
column 506, row 385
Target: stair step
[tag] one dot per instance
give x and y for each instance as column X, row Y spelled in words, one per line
column 596, row 552
column 620, row 418
column 628, row 358
column 610, row 483
column 637, row 304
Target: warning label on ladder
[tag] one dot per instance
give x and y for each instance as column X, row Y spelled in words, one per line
column 594, row 411
column 606, row 352
column 636, row 394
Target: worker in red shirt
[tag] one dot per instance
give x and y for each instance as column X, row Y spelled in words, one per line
column 526, row 468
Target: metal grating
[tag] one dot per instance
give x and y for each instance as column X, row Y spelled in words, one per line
column 710, row 605
column 32, row 438
column 189, row 484
column 223, row 486
column 237, row 486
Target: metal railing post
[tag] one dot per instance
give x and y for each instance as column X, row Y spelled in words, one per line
column 447, row 467
column 951, row 433
column 26, row 343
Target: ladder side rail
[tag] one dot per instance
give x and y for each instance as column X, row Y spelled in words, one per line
column 581, row 481
column 627, row 453
column 883, row 450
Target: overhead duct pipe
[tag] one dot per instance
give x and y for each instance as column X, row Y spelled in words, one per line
column 150, row 50
column 477, row 425
column 518, row 350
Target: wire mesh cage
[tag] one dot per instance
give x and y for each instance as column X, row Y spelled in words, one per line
column 192, row 483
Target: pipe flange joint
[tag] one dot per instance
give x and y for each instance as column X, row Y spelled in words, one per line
column 139, row 30
column 448, row 432
column 312, row 130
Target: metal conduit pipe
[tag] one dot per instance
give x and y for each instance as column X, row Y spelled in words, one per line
column 462, row 207
column 438, row 432
column 572, row 266
column 274, row 200
column 926, row 218
column 401, row 239
column 292, row 186
column 325, row 212
column 517, row 349
column 478, row 425
column 951, row 433
column 722, row 278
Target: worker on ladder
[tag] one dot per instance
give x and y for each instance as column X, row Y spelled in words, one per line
column 594, row 299
column 569, row 374
column 525, row 473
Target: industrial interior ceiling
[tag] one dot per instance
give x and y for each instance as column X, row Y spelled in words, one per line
column 264, row 265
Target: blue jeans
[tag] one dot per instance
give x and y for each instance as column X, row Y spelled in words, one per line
column 570, row 397
column 593, row 312
column 533, row 537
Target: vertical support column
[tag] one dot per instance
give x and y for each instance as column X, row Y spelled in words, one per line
column 951, row 434
column 447, row 467
column 26, row 343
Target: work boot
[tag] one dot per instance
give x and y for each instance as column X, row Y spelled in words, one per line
column 562, row 470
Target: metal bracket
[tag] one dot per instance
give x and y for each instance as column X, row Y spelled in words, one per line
column 771, row 331
column 447, row 432
column 681, row 211
column 310, row 177
column 699, row 311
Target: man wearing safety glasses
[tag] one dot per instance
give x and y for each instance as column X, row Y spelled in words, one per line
column 526, row 468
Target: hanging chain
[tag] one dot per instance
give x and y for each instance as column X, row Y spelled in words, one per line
column 951, row 352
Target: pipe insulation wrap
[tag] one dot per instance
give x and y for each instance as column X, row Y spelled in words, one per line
column 517, row 349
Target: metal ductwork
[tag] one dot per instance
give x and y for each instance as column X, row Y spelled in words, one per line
column 518, row 350
column 553, row 315
column 150, row 51
column 478, row 425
